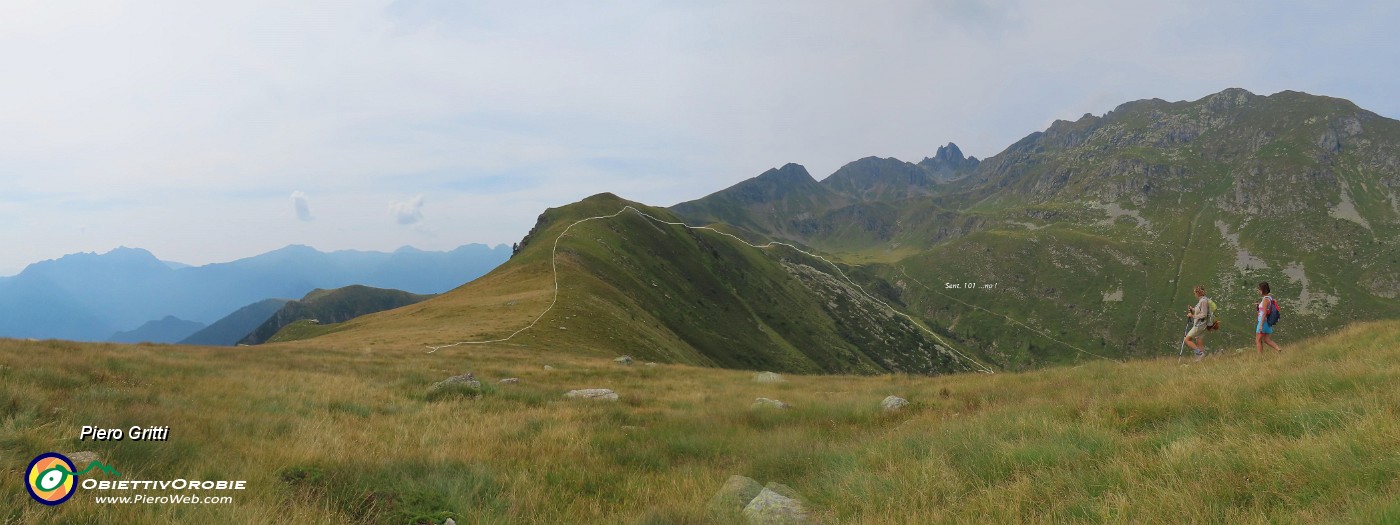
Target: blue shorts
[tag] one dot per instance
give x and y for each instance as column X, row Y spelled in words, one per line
column 1263, row 328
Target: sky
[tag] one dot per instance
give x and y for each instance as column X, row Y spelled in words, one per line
column 211, row 131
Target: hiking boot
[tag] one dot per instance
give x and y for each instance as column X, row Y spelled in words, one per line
column 1200, row 355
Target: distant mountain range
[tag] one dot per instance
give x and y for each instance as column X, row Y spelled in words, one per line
column 91, row 297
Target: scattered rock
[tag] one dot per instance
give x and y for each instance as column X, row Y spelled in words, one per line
column 650, row 364
column 509, row 381
column 625, row 360
column 82, row 458
column 736, row 494
column 593, row 393
column 467, row 379
column 767, row 377
column 771, row 506
column 547, row 367
column 450, row 521
column 764, row 402
column 894, row 403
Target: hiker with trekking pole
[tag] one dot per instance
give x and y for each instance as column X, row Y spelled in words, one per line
column 1199, row 318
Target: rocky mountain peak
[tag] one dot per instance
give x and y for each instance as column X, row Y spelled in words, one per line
column 947, row 162
column 789, row 173
column 1229, row 99
column 949, row 153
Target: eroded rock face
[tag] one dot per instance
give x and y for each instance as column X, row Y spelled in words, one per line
column 602, row 394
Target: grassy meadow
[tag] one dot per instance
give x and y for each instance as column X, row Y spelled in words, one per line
column 328, row 432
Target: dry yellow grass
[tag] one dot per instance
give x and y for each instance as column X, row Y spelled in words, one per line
column 331, row 431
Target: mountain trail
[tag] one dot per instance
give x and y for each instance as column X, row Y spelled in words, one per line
column 554, row 266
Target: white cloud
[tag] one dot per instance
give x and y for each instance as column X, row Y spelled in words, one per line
column 539, row 106
column 299, row 203
column 407, row 212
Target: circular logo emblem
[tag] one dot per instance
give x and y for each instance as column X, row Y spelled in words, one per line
column 50, row 478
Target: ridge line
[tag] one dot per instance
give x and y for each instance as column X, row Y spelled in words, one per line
column 554, row 266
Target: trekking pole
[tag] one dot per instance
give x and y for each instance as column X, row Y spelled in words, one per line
column 1182, row 352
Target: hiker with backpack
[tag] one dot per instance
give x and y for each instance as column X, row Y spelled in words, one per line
column 1202, row 317
column 1268, row 315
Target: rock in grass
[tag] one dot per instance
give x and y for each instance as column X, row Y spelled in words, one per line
column 603, row 394
column 509, row 381
column 83, row 458
column 547, row 367
column 736, row 494
column 450, row 521
column 467, row 380
column 625, row 360
column 764, row 402
column 650, row 364
column 894, row 403
column 767, row 377
column 772, row 507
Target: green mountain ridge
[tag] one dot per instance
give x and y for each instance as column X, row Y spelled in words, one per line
column 1079, row 242
column 235, row 326
column 668, row 293
column 328, row 307
column 1094, row 230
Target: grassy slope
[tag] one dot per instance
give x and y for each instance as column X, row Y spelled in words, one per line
column 664, row 293
column 334, row 433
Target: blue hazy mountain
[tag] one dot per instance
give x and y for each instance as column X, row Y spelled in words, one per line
column 234, row 326
column 89, row 296
column 168, row 330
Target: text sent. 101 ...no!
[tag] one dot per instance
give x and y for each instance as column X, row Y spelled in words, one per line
column 969, row 286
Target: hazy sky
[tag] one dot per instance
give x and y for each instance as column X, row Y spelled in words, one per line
column 211, row 131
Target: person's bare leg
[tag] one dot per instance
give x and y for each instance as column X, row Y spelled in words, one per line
column 1270, row 341
column 1258, row 343
column 1192, row 344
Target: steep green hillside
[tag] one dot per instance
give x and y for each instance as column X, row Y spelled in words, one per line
column 630, row 284
column 1085, row 240
column 235, row 326
column 327, row 307
column 769, row 203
